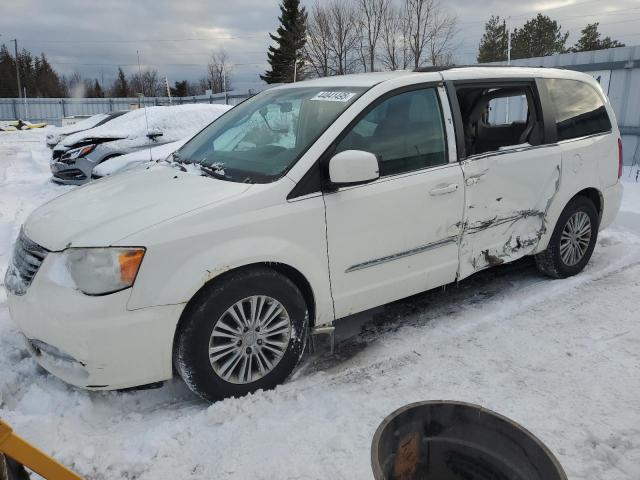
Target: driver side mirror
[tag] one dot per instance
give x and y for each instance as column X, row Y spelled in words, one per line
column 353, row 167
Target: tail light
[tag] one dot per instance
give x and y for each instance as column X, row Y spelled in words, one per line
column 620, row 158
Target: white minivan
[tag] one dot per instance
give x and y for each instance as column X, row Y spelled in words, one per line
column 307, row 203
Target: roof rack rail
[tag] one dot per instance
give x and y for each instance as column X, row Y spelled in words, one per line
column 432, row 68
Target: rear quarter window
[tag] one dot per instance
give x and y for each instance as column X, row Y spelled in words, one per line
column 580, row 110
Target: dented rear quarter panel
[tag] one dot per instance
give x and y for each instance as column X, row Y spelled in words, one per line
column 590, row 162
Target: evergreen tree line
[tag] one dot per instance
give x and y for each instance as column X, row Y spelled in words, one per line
column 37, row 76
column 39, row 79
column 538, row 37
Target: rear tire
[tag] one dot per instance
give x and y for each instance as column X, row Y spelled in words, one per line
column 573, row 240
column 240, row 334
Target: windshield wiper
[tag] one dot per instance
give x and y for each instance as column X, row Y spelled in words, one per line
column 173, row 158
column 175, row 161
column 215, row 172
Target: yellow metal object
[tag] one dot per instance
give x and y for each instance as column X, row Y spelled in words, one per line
column 22, row 452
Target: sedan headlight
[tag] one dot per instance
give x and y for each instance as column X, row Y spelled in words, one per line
column 78, row 152
column 98, row 271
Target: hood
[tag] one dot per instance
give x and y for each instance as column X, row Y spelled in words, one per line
column 124, row 162
column 59, row 133
column 85, row 136
column 102, row 212
column 175, row 122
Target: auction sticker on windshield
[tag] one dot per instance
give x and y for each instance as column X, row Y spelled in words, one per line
column 334, row 96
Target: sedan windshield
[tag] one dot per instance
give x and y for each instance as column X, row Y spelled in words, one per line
column 260, row 139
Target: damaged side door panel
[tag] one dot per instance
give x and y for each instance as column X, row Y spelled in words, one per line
column 507, row 196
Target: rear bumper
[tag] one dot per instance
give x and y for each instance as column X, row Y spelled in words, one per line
column 612, row 198
column 94, row 342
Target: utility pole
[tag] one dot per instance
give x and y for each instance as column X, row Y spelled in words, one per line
column 15, row 45
column 26, row 109
column 224, row 84
column 295, row 65
column 509, row 40
column 166, row 82
column 508, row 59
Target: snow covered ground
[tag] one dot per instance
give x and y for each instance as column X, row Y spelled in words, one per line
column 560, row 357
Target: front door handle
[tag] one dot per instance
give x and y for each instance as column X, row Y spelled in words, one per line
column 441, row 191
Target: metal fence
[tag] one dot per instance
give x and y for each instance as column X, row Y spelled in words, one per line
column 52, row 110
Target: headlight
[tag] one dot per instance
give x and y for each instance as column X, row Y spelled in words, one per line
column 78, row 152
column 98, row 271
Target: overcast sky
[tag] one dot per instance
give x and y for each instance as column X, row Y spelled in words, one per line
column 176, row 37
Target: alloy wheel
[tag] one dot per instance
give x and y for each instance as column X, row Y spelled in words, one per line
column 575, row 238
column 249, row 339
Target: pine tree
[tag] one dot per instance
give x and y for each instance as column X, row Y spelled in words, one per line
column 27, row 75
column 97, row 89
column 8, row 85
column 590, row 40
column 539, row 37
column 181, row 89
column 286, row 56
column 493, row 45
column 47, row 81
column 120, row 85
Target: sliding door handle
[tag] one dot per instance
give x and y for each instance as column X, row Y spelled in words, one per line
column 442, row 190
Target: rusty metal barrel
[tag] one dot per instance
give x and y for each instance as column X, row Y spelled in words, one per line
column 448, row 440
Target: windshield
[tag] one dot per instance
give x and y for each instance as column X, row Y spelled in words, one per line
column 260, row 139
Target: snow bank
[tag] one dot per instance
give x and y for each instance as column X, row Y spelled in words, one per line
column 174, row 122
column 130, row 160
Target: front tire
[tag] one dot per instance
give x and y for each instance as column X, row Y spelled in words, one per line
column 240, row 334
column 573, row 240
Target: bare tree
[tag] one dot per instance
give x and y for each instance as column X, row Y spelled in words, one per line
column 418, row 15
column 349, row 35
column 444, row 27
column 317, row 48
column 371, row 17
column 148, row 83
column 74, row 85
column 430, row 31
column 333, row 38
column 391, row 36
column 219, row 72
column 344, row 36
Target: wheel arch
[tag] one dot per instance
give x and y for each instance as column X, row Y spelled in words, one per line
column 595, row 196
column 553, row 215
column 109, row 157
column 293, row 274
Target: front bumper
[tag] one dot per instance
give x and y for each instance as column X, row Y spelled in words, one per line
column 68, row 174
column 94, row 342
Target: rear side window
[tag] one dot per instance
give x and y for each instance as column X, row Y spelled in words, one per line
column 580, row 110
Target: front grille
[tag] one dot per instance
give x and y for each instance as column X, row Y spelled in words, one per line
column 24, row 264
column 57, row 154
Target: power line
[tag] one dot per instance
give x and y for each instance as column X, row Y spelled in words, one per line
column 157, row 40
column 564, row 17
column 152, row 64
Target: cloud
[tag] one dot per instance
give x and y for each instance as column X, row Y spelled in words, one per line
column 177, row 37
